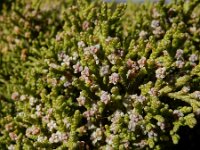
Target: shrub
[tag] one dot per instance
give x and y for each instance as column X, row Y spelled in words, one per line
column 98, row 75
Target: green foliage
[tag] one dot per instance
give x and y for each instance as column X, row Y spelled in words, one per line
column 98, row 75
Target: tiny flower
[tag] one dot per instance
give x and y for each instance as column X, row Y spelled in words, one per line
column 131, row 73
column 85, row 72
column 160, row 73
column 161, row 125
column 197, row 112
column 32, row 101
column 179, row 64
column 13, row 136
column 155, row 13
column 54, row 138
column 58, row 37
column 91, row 112
column 27, row 34
column 9, row 127
column 108, row 39
column 104, row 70
column 112, row 58
column 22, row 97
column 15, row 96
column 32, row 131
column 109, row 139
column 62, row 78
column 46, row 119
column 186, row 89
column 134, row 119
column 193, row 58
column 178, row 113
column 152, row 134
column 67, row 84
column 11, row 147
column 131, row 64
column 41, row 138
column 66, row 60
column 77, row 68
column 38, row 28
column 197, row 94
column 141, row 144
column 94, row 49
column 53, row 65
column 153, row 92
column 50, row 111
column 66, row 123
column 81, row 100
column 105, row 97
column 85, row 25
column 61, row 56
column 143, row 34
column 193, row 29
column 116, row 116
column 114, row 78
column 155, row 23
column 141, row 98
column 141, row 62
column 58, row 137
column 179, row 54
column 81, row 44
column 165, row 53
column 51, row 125
column 158, row 31
column 96, row 59
column 120, row 53
column 39, row 107
column 96, row 136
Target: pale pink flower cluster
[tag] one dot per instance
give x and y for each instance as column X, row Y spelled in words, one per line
column 179, row 54
column 105, row 97
column 178, row 113
column 81, row 44
column 81, row 100
column 15, row 96
column 13, row 136
column 143, row 34
column 96, row 136
column 58, row 137
column 152, row 134
column 161, row 73
column 116, row 117
column 179, row 64
column 142, row 62
column 153, row 92
column 114, row 78
column 11, row 147
column 134, row 119
column 197, row 94
column 161, row 125
column 91, row 112
column 104, row 70
column 32, row 131
column 52, row 125
column 77, row 67
column 41, row 138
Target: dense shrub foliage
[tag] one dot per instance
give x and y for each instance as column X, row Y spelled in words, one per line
column 90, row 75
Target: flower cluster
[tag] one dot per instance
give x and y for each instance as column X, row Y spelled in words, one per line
column 98, row 75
